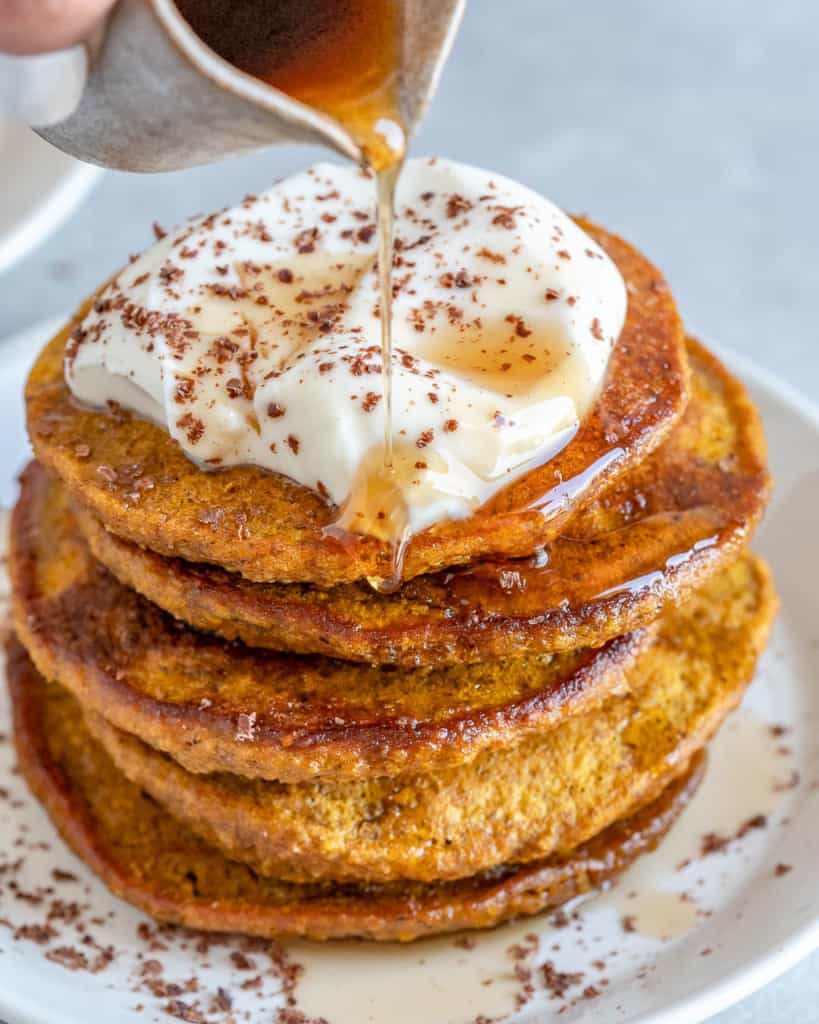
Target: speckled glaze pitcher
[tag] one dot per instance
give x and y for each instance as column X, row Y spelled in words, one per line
column 158, row 99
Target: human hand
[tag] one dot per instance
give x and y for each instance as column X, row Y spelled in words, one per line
column 41, row 26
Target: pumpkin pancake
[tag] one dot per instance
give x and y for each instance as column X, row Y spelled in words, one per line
column 150, row 859
column 217, row 706
column 545, row 795
column 135, row 478
column 668, row 525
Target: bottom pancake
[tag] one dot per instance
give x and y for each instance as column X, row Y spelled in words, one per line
column 148, row 858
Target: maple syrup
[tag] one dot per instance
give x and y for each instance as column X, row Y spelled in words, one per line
column 621, row 563
column 341, row 57
column 491, row 354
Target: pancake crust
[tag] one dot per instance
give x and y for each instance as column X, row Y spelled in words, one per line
column 150, row 859
column 132, row 475
column 548, row 794
column 224, row 707
column 707, row 482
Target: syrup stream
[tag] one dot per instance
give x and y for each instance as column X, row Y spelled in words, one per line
column 342, row 57
column 385, row 182
column 376, row 505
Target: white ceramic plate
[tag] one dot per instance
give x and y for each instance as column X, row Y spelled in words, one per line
column 41, row 188
column 704, row 935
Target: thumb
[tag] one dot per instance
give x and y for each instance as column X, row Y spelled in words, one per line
column 39, row 26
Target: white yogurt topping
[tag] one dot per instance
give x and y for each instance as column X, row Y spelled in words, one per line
column 253, row 337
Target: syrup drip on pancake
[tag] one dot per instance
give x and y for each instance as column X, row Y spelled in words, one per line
column 652, row 548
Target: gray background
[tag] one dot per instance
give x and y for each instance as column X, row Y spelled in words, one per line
column 689, row 126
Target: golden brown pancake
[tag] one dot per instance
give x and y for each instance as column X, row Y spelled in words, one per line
column 150, row 859
column 665, row 528
column 548, row 794
column 225, row 707
column 137, row 481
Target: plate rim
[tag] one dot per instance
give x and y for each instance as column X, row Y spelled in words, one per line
column 743, row 981
column 765, row 968
column 67, row 191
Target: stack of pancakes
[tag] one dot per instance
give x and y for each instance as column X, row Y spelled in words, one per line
column 248, row 736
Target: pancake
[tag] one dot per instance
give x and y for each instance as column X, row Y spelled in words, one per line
column 150, row 859
column 137, row 481
column 666, row 527
column 226, row 707
column 545, row 795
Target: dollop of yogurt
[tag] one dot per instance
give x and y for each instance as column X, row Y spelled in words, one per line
column 253, row 336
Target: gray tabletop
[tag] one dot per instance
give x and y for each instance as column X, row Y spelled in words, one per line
column 688, row 126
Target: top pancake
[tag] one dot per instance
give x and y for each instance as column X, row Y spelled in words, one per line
column 659, row 533
column 134, row 477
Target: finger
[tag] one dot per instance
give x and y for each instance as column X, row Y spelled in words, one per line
column 39, row 26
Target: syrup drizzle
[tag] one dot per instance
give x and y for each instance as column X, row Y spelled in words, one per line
column 342, row 57
column 570, row 574
column 385, row 182
column 376, row 505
